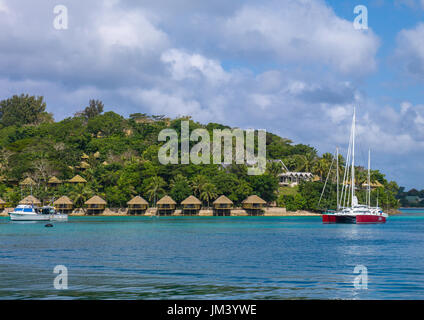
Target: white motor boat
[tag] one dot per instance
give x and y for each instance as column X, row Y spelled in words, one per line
column 32, row 213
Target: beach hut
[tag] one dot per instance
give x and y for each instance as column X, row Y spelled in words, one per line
column 166, row 206
column 84, row 165
column 96, row 155
column 2, row 204
column 64, row 205
column 137, row 205
column 31, row 200
column 27, row 182
column 95, row 205
column 191, row 206
column 77, row 179
column 253, row 205
column 54, row 182
column 84, row 157
column 222, row 206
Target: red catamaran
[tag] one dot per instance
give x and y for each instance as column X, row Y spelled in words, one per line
column 356, row 213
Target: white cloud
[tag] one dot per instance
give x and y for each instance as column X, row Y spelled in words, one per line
column 3, row 7
column 410, row 49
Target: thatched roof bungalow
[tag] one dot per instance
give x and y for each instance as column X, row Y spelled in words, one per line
column 31, row 200
column 77, row 179
column 137, row 205
column 27, row 182
column 191, row 206
column 53, row 182
column 253, row 205
column 64, row 205
column 222, row 206
column 2, row 204
column 95, row 205
column 166, row 206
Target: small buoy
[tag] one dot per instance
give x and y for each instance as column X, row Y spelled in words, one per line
column 49, row 225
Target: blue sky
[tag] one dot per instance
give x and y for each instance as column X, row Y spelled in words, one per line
column 293, row 67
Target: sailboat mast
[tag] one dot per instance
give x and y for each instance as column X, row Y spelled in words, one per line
column 337, row 174
column 369, row 177
column 353, row 156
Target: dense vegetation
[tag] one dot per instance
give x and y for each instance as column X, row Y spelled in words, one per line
column 411, row 198
column 122, row 161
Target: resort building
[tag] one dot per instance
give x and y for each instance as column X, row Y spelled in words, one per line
column 64, row 205
column 54, row 182
column 77, row 179
column 292, row 179
column 166, row 206
column 85, row 157
column 95, row 205
column 222, row 206
column 27, row 182
column 31, row 200
column 83, row 165
column 191, row 206
column 254, row 205
column 2, row 204
column 137, row 205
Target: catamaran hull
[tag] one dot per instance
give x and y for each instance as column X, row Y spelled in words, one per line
column 358, row 219
column 38, row 217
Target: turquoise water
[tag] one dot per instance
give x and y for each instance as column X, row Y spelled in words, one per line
column 212, row 258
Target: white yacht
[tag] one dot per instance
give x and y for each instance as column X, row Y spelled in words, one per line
column 26, row 212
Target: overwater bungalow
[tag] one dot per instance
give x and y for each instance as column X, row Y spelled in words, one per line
column 77, row 179
column 254, row 205
column 137, row 205
column 222, row 206
column 31, row 200
column 2, row 204
column 95, row 205
column 166, row 206
column 64, row 205
column 191, row 206
column 54, row 182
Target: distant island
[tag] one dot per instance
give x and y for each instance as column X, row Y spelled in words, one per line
column 105, row 155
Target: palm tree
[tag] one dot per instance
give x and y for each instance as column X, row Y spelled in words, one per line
column 208, row 192
column 156, row 186
column 198, row 183
column 275, row 168
column 80, row 194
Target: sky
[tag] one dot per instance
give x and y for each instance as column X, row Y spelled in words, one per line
column 296, row 68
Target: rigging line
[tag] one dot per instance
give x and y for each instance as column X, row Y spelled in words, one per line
column 323, row 189
column 344, row 188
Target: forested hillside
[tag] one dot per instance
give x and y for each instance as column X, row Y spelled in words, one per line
column 118, row 157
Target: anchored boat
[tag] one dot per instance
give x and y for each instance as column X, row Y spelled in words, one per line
column 32, row 213
column 356, row 213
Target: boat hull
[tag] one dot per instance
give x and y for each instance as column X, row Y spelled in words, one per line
column 358, row 219
column 38, row 217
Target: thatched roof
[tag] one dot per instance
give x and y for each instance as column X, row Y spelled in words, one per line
column 27, row 182
column 96, row 200
column 166, row 200
column 222, row 200
column 54, row 180
column 191, row 200
column 137, row 200
column 84, row 156
column 105, row 163
column 2, row 201
column 77, row 179
column 96, row 155
column 30, row 200
column 84, row 165
column 63, row 200
column 254, row 199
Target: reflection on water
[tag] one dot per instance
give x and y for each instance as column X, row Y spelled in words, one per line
column 212, row 258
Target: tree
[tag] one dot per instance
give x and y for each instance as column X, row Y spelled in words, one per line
column 155, row 187
column 198, row 183
column 80, row 194
column 94, row 108
column 22, row 110
column 180, row 188
column 208, row 192
column 265, row 186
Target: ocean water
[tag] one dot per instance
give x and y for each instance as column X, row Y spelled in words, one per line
column 213, row 258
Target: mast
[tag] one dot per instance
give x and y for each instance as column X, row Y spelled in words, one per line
column 337, row 174
column 353, row 156
column 369, row 178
